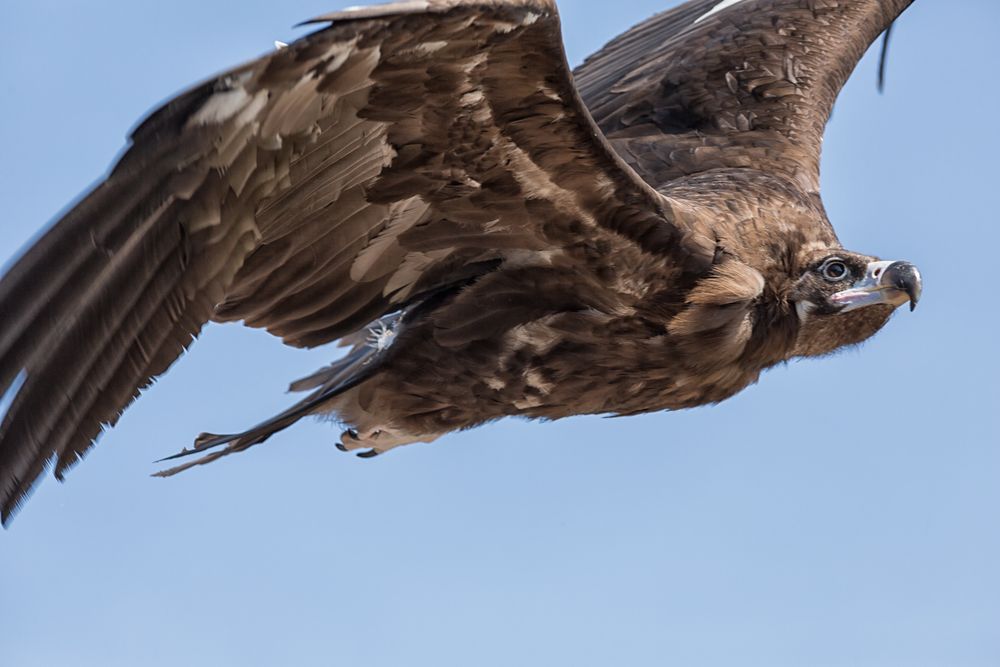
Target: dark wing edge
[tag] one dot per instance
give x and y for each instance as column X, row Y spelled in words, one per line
column 116, row 290
column 750, row 85
column 107, row 300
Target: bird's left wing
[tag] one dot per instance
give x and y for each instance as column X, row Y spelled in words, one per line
column 730, row 84
column 395, row 152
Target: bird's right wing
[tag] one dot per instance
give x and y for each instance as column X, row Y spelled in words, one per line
column 404, row 149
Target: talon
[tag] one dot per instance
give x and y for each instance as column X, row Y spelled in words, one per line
column 370, row 454
column 347, row 440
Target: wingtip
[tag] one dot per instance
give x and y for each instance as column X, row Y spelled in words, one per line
column 883, row 58
column 9, row 507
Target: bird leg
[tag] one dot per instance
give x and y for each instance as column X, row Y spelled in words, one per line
column 352, row 439
column 374, row 441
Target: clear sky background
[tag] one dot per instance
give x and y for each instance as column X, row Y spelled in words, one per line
column 844, row 511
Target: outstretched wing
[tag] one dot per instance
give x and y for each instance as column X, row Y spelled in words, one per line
column 724, row 83
column 401, row 150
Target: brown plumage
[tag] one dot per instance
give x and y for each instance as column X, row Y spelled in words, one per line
column 424, row 182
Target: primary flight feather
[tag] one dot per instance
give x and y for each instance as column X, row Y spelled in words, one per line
column 489, row 233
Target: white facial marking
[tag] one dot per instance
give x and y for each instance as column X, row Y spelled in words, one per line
column 280, row 45
column 718, row 8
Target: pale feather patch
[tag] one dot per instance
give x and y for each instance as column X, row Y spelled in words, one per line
column 537, row 184
column 550, row 93
column 204, row 211
column 534, row 379
column 424, row 48
column 413, row 267
column 528, row 402
column 472, row 98
column 250, row 112
column 504, row 27
column 812, row 246
column 241, row 169
column 730, row 282
column 294, row 109
column 496, row 384
column 339, row 52
column 720, row 303
column 403, row 215
column 718, row 8
column 472, row 63
column 220, row 107
column 516, row 259
column 604, row 185
column 231, row 142
column 537, row 336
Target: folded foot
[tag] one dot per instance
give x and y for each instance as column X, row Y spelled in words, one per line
column 373, row 442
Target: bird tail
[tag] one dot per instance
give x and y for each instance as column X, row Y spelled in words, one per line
column 238, row 442
column 370, row 347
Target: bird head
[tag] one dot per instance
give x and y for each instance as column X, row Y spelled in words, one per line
column 843, row 298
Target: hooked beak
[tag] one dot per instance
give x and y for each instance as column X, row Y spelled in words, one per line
column 890, row 283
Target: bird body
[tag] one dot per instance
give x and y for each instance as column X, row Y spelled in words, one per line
column 636, row 341
column 489, row 233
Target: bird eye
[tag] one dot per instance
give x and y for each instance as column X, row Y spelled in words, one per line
column 834, row 270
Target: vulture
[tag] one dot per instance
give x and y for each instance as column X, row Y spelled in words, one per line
column 487, row 232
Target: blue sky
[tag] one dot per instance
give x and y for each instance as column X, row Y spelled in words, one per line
column 844, row 511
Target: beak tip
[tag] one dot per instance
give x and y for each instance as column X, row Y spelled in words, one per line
column 906, row 278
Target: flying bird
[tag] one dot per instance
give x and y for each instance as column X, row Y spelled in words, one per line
column 487, row 232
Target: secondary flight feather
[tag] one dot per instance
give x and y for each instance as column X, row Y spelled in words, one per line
column 489, row 233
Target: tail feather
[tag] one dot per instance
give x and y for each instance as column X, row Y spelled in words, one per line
column 363, row 361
